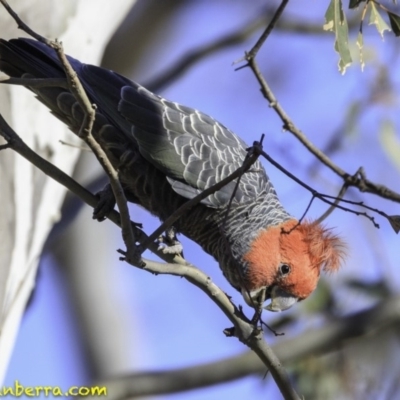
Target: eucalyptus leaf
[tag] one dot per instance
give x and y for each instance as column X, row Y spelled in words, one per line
column 376, row 19
column 335, row 21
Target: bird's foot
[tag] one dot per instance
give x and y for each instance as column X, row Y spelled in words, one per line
column 133, row 257
column 106, row 203
column 169, row 244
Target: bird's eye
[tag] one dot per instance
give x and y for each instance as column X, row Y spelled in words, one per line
column 284, row 269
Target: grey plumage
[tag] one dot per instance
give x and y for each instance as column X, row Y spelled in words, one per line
column 165, row 152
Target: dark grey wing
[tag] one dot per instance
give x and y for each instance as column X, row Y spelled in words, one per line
column 194, row 150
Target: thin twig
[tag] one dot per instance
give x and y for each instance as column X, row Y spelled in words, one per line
column 326, row 198
column 21, row 25
column 278, row 13
column 334, row 205
column 85, row 133
column 75, row 146
column 361, row 182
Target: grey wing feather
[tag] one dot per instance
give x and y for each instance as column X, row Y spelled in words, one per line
column 191, row 148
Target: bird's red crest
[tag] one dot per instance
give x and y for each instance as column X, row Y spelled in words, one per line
column 326, row 249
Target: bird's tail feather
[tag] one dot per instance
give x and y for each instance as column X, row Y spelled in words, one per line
column 27, row 58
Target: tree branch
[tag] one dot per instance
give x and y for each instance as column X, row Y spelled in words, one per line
column 278, row 13
column 244, row 330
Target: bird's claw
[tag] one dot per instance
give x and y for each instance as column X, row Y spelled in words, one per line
column 169, row 244
column 105, row 204
column 133, row 257
column 175, row 249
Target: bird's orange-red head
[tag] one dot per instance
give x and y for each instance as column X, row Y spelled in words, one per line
column 287, row 260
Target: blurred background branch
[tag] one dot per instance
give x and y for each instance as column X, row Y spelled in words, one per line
column 336, row 334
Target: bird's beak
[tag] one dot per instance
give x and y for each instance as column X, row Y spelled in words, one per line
column 280, row 300
column 252, row 297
